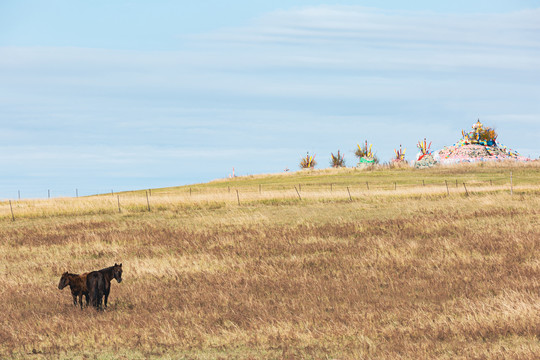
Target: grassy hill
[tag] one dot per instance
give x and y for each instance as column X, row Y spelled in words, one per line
column 303, row 265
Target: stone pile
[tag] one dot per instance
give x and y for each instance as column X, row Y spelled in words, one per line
column 478, row 145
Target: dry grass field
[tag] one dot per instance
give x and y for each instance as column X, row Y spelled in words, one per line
column 408, row 269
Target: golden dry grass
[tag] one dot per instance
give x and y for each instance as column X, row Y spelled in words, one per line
column 409, row 273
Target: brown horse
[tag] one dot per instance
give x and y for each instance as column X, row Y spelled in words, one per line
column 77, row 284
column 113, row 272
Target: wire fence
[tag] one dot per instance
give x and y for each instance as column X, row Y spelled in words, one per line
column 188, row 198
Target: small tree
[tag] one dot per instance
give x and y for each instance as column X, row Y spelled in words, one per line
column 308, row 162
column 338, row 160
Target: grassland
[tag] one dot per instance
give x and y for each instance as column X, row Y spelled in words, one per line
column 405, row 269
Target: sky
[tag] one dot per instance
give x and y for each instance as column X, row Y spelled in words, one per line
column 101, row 95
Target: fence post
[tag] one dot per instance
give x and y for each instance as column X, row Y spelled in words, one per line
column 466, row 192
column 119, row 210
column 350, row 197
column 147, row 201
column 331, row 187
column 367, row 185
column 447, row 190
column 423, row 182
column 395, row 185
column 238, row 197
column 11, row 207
column 298, row 193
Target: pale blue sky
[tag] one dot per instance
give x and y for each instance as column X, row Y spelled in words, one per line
column 121, row 95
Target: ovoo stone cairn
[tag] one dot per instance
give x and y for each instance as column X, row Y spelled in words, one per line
column 365, row 155
column 400, row 155
column 480, row 144
column 424, row 159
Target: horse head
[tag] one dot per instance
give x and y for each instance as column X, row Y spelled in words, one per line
column 64, row 281
column 117, row 272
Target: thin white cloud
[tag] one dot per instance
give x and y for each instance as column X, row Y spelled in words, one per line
column 338, row 52
column 348, row 23
column 523, row 119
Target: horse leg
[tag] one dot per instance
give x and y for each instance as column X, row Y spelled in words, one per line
column 106, row 297
column 87, row 299
column 75, row 300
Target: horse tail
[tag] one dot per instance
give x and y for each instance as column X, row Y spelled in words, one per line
column 100, row 289
column 92, row 285
column 95, row 283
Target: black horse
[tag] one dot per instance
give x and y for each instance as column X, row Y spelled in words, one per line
column 113, row 272
column 95, row 283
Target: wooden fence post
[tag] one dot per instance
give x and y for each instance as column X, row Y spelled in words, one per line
column 147, row 201
column 298, row 193
column 238, row 197
column 466, row 192
column 350, row 197
column 447, row 190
